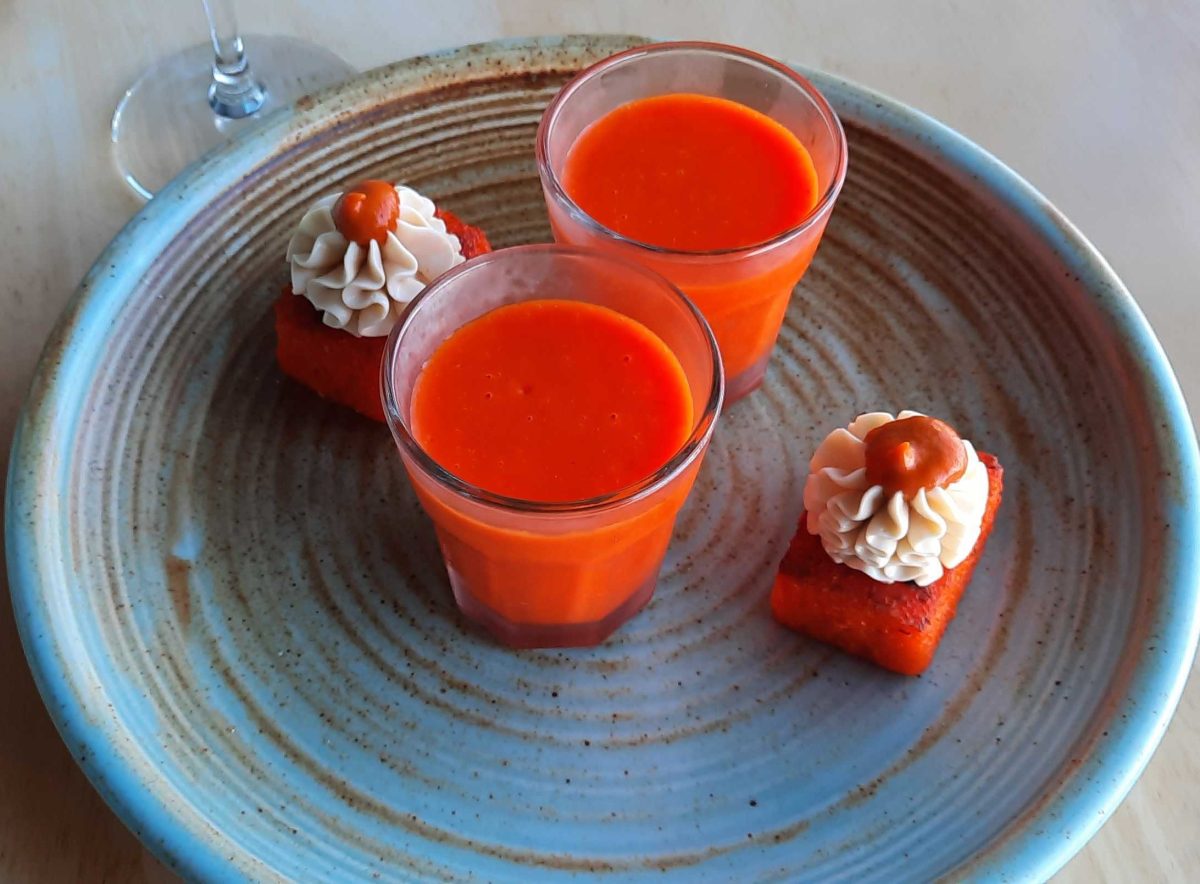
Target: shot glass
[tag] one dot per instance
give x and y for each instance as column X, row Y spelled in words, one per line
column 535, row 573
column 743, row 292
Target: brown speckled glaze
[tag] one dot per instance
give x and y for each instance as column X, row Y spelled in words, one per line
column 242, row 623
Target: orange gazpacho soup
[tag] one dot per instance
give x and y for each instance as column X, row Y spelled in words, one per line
column 697, row 173
column 691, row 173
column 553, row 401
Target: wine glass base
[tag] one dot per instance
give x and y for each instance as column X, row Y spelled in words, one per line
column 163, row 123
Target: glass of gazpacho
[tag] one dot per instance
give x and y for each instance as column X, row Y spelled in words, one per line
column 552, row 406
column 715, row 166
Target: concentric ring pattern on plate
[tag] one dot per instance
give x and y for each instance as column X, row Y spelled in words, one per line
column 240, row 621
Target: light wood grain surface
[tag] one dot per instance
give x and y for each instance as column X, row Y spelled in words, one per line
column 1094, row 101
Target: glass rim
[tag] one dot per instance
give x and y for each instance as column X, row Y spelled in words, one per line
column 687, row 452
column 550, row 177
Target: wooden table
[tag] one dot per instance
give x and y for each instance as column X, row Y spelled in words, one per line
column 1093, row 101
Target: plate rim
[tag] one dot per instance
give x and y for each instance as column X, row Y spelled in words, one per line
column 1036, row 845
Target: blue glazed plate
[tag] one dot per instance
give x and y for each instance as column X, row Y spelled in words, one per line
column 238, row 617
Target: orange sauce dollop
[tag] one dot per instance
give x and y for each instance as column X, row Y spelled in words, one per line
column 367, row 211
column 913, row 453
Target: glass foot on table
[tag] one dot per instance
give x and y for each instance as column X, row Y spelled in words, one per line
column 747, row 382
column 539, row 635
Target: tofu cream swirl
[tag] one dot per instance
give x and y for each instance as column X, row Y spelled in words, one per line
column 892, row 538
column 365, row 289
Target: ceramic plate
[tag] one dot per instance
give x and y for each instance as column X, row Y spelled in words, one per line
column 239, row 619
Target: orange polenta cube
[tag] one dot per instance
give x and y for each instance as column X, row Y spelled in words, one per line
column 333, row 363
column 895, row 625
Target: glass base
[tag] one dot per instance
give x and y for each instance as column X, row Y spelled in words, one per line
column 747, row 382
column 541, row 635
column 164, row 123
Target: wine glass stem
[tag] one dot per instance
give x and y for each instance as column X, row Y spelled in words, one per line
column 234, row 92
